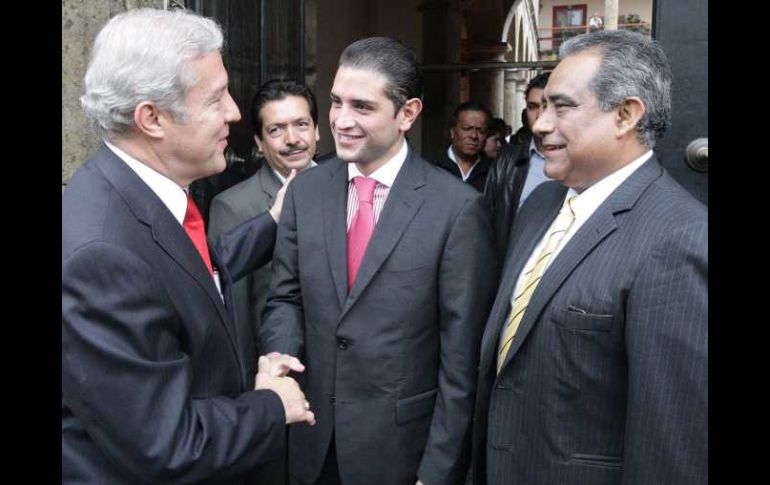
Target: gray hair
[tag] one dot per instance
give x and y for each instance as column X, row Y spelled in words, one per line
column 142, row 55
column 632, row 65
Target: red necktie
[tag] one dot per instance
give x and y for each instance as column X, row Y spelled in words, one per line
column 193, row 225
column 362, row 226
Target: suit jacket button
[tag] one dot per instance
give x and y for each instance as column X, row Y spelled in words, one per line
column 342, row 343
column 332, row 400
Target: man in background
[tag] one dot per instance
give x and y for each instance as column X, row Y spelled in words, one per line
column 285, row 121
column 518, row 169
column 465, row 156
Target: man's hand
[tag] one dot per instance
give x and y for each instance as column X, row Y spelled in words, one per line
column 281, row 364
column 293, row 399
column 275, row 211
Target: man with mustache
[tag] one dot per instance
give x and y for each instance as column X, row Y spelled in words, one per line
column 465, row 158
column 284, row 116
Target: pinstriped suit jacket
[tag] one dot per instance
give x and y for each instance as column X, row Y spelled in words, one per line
column 607, row 379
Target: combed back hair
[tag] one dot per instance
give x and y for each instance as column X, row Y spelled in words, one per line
column 631, row 65
column 276, row 90
column 470, row 106
column 393, row 60
column 142, row 55
column 537, row 82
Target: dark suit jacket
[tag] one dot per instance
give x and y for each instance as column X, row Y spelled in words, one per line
column 243, row 201
column 606, row 381
column 152, row 386
column 505, row 180
column 390, row 366
column 478, row 176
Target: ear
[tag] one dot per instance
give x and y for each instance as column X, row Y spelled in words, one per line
column 409, row 113
column 149, row 119
column 259, row 144
column 317, row 134
column 629, row 114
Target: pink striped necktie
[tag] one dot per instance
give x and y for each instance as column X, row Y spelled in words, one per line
column 362, row 226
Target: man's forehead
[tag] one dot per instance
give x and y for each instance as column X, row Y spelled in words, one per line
column 365, row 83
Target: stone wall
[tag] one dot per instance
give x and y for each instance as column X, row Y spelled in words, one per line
column 80, row 22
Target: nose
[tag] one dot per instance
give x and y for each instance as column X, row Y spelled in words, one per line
column 232, row 113
column 291, row 136
column 340, row 117
column 544, row 122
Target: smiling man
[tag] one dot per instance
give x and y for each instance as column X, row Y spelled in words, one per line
column 153, row 389
column 284, row 117
column 383, row 277
column 594, row 361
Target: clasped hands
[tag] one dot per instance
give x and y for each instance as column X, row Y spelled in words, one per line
column 272, row 374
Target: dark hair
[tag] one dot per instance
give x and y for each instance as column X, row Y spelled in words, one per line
column 393, row 60
column 497, row 126
column 276, row 90
column 470, row 106
column 537, row 82
column 631, row 65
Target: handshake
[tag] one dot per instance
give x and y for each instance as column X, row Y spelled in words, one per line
column 272, row 374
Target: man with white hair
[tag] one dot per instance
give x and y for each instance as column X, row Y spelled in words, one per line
column 152, row 386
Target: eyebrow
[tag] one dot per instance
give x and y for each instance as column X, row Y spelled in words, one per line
column 217, row 93
column 367, row 102
column 560, row 97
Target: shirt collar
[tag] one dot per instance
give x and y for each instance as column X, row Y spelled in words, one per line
column 451, row 155
column 386, row 174
column 533, row 148
column 593, row 196
column 172, row 195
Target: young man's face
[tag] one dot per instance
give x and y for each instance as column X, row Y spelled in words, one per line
column 366, row 127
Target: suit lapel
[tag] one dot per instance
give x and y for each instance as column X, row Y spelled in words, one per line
column 269, row 183
column 600, row 225
column 166, row 231
column 335, row 231
column 400, row 208
column 520, row 246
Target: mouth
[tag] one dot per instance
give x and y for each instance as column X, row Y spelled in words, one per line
column 552, row 147
column 295, row 154
column 346, row 138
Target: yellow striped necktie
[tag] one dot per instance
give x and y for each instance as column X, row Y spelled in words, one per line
column 533, row 274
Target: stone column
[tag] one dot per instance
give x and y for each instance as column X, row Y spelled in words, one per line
column 515, row 84
column 611, row 14
column 81, row 20
column 486, row 85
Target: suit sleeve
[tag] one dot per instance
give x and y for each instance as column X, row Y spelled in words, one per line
column 667, row 344
column 281, row 329
column 467, row 277
column 248, row 246
column 126, row 376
